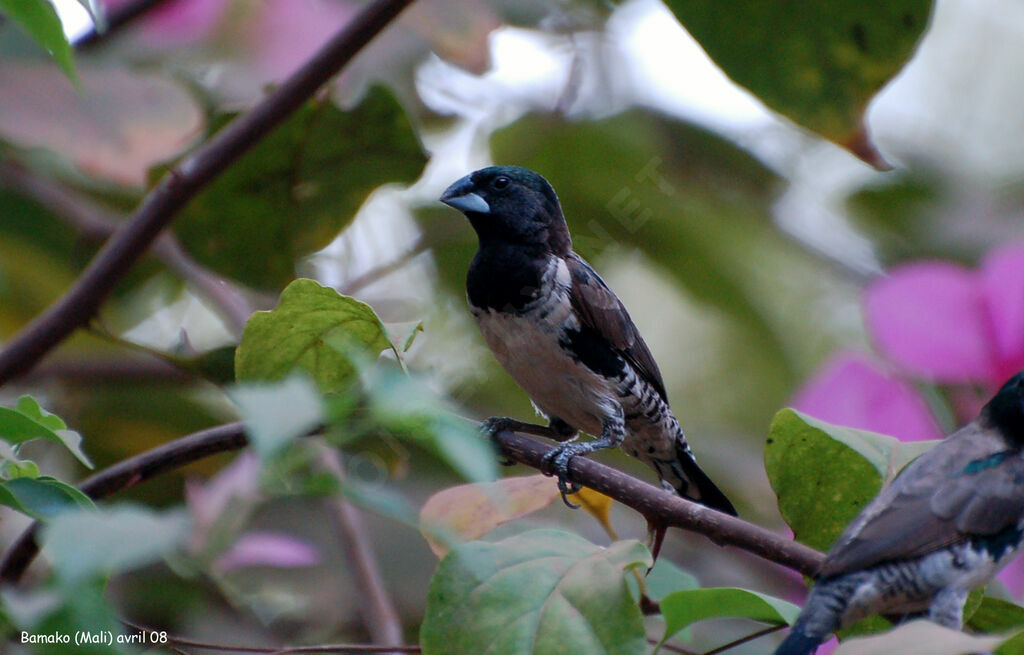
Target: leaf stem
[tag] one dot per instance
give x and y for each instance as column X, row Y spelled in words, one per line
column 742, row 640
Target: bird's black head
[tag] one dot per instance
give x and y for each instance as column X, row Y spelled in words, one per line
column 511, row 205
column 1005, row 411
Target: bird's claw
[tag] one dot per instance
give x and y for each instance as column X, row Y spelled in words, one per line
column 494, row 425
column 557, row 463
column 491, row 427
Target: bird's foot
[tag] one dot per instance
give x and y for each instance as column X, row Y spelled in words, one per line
column 557, row 463
column 492, row 426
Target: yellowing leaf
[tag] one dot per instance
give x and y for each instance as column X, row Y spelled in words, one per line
column 470, row 511
column 597, row 505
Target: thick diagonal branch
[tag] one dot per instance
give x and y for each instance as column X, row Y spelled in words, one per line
column 668, row 509
column 180, row 185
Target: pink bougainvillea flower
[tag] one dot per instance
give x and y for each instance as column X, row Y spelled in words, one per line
column 853, row 390
column 268, row 549
column 288, row 32
column 938, row 321
column 1002, row 286
column 234, row 489
column 949, row 324
column 179, row 22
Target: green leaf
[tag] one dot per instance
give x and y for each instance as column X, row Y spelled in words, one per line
column 86, row 544
column 65, row 612
column 1012, row 646
column 43, row 497
column 40, row 20
column 868, row 626
column 996, row 615
column 824, row 474
column 303, row 332
column 296, row 189
column 381, row 500
column 36, row 266
column 29, row 421
column 411, row 410
column 683, row 608
column 665, row 578
column 819, row 63
column 919, row 638
column 14, row 466
column 274, row 414
column 216, row 365
column 542, row 591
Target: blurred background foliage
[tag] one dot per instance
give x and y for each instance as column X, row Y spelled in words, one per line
column 740, row 220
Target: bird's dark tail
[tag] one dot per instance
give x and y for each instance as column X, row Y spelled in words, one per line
column 798, row 643
column 819, row 618
column 685, row 476
column 694, row 483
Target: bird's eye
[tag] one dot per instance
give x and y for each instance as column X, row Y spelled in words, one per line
column 501, row 182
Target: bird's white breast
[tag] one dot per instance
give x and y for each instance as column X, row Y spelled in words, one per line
column 527, row 344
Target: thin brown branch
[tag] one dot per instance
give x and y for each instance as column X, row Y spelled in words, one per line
column 672, row 648
column 130, row 472
column 663, row 508
column 180, row 185
column 742, row 640
column 378, row 611
column 97, row 224
column 121, row 370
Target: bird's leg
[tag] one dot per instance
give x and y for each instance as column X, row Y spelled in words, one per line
column 562, row 431
column 557, row 461
column 557, row 429
column 948, row 608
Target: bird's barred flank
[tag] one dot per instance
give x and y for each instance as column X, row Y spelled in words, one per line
column 944, row 526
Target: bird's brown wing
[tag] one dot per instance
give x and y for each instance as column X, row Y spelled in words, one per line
column 600, row 309
column 969, row 484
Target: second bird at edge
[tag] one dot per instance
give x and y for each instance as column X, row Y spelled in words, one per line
column 565, row 337
column 951, row 520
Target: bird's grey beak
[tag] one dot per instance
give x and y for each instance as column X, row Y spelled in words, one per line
column 461, row 196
